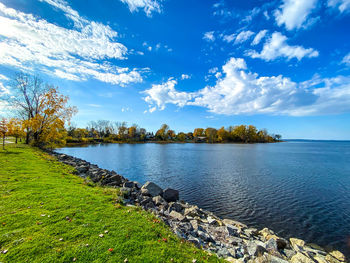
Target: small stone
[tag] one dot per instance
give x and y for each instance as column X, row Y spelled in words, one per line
column 194, row 260
column 232, row 230
column 234, row 223
column 43, row 215
column 74, row 259
column 61, row 239
column 271, row 245
column 212, row 221
column 101, row 235
column 289, row 253
column 126, row 260
column 86, row 245
column 106, row 231
column 5, row 251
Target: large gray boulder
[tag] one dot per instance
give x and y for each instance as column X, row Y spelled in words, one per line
column 170, row 195
column 152, row 189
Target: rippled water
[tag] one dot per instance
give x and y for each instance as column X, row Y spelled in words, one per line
column 299, row 188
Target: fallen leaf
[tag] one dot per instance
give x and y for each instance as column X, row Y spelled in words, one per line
column 110, row 249
column 61, row 239
column 74, row 259
column 5, row 251
column 106, row 231
column 101, row 235
column 126, row 260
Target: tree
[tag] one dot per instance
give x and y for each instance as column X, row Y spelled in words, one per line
column 277, row 137
column 211, row 134
column 162, row 132
column 170, row 134
column 252, row 133
column 43, row 110
column 198, row 132
column 239, row 133
column 3, row 131
column 181, row 136
column 223, row 135
column 15, row 128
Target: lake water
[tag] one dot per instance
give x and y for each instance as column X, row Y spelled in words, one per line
column 296, row 188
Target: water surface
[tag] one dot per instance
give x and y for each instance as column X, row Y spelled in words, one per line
column 296, row 188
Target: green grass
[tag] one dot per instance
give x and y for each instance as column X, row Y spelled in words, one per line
column 41, row 202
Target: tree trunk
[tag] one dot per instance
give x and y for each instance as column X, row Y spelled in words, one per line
column 16, row 139
column 3, row 141
column 27, row 138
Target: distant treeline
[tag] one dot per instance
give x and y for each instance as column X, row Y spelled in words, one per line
column 107, row 131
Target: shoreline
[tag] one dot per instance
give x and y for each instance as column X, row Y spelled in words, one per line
column 229, row 239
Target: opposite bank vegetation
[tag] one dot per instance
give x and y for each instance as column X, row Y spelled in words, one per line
column 40, row 115
column 49, row 215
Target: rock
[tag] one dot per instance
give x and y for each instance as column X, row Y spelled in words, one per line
column 175, row 206
column 254, row 249
column 129, row 184
column 235, row 241
column 301, row 258
column 114, row 180
column 234, row 223
column 158, row 200
column 251, row 232
column 338, row 255
column 204, row 236
column 297, row 244
column 145, row 192
column 194, row 224
column 171, row 195
column 194, row 241
column 223, row 252
column 288, row 253
column 274, row 259
column 152, row 188
column 232, row 230
column 271, row 245
column 320, row 259
column 125, row 191
column 212, row 221
column 192, row 211
column 177, row 216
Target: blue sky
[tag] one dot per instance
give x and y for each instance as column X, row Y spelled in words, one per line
column 282, row 65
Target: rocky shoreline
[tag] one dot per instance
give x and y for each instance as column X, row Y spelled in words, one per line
column 229, row 239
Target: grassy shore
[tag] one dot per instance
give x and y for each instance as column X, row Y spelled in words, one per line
column 47, row 214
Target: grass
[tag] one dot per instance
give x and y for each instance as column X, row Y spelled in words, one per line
column 47, row 214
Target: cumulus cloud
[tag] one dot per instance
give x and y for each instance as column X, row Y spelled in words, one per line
column 148, row 6
column 342, row 5
column 209, row 36
column 162, row 94
column 239, row 91
column 258, row 37
column 30, row 43
column 294, row 13
column 276, row 46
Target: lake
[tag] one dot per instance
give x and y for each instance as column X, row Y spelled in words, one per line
column 296, row 188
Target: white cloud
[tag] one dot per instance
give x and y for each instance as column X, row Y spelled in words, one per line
column 162, row 94
column 276, row 46
column 213, row 70
column 346, row 59
column 342, row 5
column 294, row 13
column 148, row 6
column 243, row 36
column 242, row 92
column 229, row 38
column 185, row 76
column 94, row 105
column 29, row 43
column 209, row 36
column 258, row 37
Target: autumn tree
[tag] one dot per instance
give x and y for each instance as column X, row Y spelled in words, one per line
column 162, row 132
column 222, row 134
column 181, row 136
column 3, row 131
column 211, row 134
column 198, row 132
column 15, row 128
column 43, row 110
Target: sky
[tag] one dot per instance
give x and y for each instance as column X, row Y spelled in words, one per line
column 282, row 65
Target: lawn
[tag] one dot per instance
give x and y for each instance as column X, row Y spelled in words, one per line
column 47, row 214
